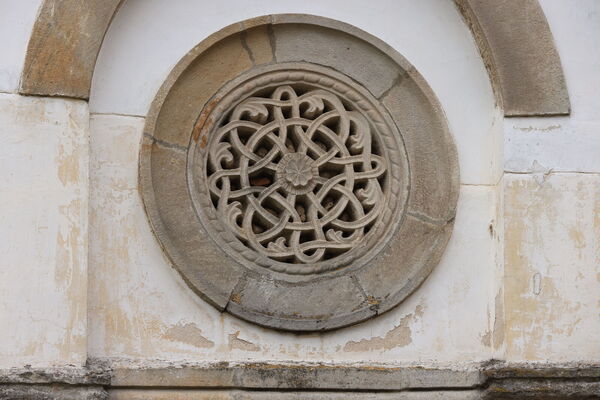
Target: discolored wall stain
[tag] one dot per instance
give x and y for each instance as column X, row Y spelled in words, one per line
column 486, row 339
column 498, row 330
column 188, row 333
column 577, row 237
column 71, row 159
column 236, row 343
column 71, row 275
column 493, row 337
column 547, row 260
column 400, row 336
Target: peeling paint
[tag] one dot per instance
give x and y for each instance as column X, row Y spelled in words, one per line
column 498, row 330
column 400, row 336
column 236, row 343
column 71, row 276
column 577, row 237
column 486, row 339
column 540, row 172
column 188, row 333
column 537, row 283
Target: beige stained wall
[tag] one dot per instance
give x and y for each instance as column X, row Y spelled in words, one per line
column 519, row 279
column 43, row 225
column 552, row 273
column 549, row 308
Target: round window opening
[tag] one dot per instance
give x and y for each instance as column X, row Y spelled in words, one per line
column 298, row 173
column 293, row 163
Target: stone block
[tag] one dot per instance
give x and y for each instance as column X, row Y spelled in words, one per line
column 430, row 149
column 62, row 50
column 202, row 77
column 405, row 262
column 305, row 306
column 193, row 252
column 346, row 53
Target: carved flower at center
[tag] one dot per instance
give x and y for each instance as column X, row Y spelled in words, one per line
column 297, row 172
column 297, row 169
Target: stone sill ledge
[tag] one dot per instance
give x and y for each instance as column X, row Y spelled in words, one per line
column 488, row 380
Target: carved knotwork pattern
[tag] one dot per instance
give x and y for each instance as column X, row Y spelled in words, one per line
column 296, row 174
column 297, row 171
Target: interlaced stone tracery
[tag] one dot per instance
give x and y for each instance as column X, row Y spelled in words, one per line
column 296, row 173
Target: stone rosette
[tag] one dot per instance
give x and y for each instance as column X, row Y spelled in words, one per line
column 299, row 173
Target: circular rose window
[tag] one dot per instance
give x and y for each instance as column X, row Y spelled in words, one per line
column 299, row 173
column 293, row 163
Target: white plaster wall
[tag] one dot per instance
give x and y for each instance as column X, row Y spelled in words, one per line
column 43, row 227
column 141, row 308
column 543, row 305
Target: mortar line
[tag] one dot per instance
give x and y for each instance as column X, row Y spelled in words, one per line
column 550, row 172
column 118, row 114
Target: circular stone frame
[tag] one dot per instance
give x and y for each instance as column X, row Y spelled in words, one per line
column 366, row 287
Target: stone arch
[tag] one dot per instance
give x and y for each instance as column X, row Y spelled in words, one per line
column 513, row 38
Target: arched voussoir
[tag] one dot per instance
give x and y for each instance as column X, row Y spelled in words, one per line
column 517, row 47
column 512, row 35
column 64, row 45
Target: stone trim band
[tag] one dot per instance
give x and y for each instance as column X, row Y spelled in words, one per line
column 486, row 380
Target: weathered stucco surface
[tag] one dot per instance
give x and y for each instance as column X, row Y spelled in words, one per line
column 552, row 254
column 43, row 224
column 140, row 307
